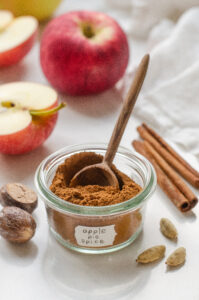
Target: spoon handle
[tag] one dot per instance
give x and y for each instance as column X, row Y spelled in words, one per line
column 126, row 111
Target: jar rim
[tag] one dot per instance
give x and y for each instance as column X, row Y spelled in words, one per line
column 64, row 206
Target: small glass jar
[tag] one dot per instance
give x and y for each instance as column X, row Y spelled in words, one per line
column 101, row 229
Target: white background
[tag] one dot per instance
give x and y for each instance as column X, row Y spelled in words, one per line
column 43, row 269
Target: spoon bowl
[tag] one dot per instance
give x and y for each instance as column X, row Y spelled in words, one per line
column 98, row 174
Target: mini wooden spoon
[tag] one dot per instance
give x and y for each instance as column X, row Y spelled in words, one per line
column 101, row 173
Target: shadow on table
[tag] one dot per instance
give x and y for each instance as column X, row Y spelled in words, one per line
column 188, row 217
column 13, row 73
column 20, row 255
column 20, row 168
column 97, row 105
column 107, row 276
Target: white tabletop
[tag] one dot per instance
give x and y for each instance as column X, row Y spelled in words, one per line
column 43, row 269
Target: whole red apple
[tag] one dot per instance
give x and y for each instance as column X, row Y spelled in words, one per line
column 28, row 114
column 83, row 52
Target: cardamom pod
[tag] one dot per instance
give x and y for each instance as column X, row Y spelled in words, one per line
column 151, row 254
column 177, row 257
column 168, row 229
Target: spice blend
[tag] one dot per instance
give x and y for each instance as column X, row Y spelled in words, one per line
column 91, row 195
column 120, row 226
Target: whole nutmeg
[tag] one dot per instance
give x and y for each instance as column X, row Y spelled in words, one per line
column 20, row 195
column 16, row 225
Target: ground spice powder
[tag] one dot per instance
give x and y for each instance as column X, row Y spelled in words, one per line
column 125, row 224
column 91, row 195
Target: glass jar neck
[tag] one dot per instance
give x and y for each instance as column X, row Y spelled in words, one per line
column 46, row 168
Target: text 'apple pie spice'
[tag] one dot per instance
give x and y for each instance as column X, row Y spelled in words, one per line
column 93, row 230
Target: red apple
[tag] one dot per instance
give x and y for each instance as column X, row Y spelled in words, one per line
column 17, row 37
column 83, row 52
column 28, row 114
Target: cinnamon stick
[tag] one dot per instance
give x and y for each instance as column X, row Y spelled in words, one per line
column 171, row 173
column 170, row 149
column 164, row 181
column 174, row 159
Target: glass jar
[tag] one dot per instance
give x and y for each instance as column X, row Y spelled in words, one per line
column 101, row 229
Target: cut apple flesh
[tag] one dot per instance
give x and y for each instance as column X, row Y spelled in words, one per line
column 17, row 32
column 32, row 96
column 6, row 18
column 26, row 96
column 14, row 120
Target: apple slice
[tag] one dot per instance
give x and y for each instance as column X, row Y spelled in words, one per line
column 16, row 39
column 28, row 114
column 6, row 18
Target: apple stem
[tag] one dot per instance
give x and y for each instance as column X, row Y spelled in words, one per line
column 88, row 30
column 45, row 113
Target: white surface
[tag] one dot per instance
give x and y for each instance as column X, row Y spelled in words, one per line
column 43, row 269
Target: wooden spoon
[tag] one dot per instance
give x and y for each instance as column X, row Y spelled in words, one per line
column 101, row 173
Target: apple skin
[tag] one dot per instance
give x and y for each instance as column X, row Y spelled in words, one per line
column 14, row 55
column 40, row 9
column 30, row 137
column 76, row 65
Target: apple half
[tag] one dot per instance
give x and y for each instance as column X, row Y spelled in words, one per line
column 28, row 114
column 17, row 36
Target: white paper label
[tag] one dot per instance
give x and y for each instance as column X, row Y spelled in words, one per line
column 95, row 236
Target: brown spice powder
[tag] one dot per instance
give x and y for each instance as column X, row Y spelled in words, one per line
column 125, row 224
column 91, row 195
